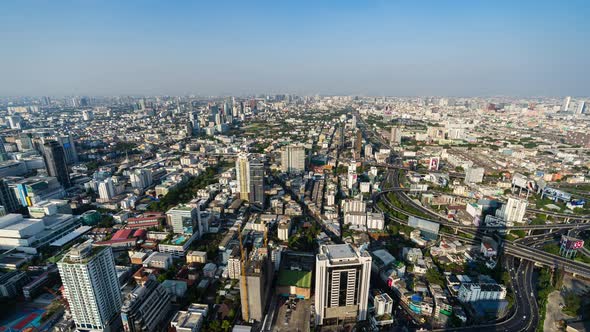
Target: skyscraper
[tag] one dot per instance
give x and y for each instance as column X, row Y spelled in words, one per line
column 55, row 162
column 581, row 107
column 358, row 144
column 396, row 136
column 257, row 172
column 91, row 287
column 8, row 198
column 243, row 176
column 293, row 159
column 342, row 278
column 250, row 171
column 566, row 104
column 3, row 154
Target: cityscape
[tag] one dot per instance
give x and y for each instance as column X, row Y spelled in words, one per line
column 329, row 206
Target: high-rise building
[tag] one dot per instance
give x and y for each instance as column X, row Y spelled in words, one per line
column 368, row 150
column 91, row 287
column 3, row 154
column 184, row 219
column 342, row 280
column 257, row 173
column 243, row 175
column 145, row 309
column 106, row 189
column 87, row 115
column 396, row 136
column 250, row 171
column 358, row 144
column 581, row 107
column 141, row 178
column 566, row 103
column 8, row 197
column 55, row 162
column 258, row 280
column 513, row 210
column 293, row 159
column 67, row 143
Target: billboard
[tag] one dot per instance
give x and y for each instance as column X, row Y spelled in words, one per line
column 433, row 165
column 571, row 243
column 555, row 194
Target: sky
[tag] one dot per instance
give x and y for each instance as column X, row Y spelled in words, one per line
column 394, row 48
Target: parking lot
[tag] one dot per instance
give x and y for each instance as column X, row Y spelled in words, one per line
column 292, row 315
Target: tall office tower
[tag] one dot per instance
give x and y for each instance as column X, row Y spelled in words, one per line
column 145, row 309
column 194, row 119
column 106, row 189
column 342, row 277
column 3, row 154
column 368, row 151
column 358, row 145
column 581, row 107
column 91, row 287
column 55, row 162
column 257, row 173
column 566, row 104
column 8, row 198
column 184, row 220
column 293, row 159
column 243, row 175
column 396, row 136
column 67, row 143
column 141, row 178
column 513, row 210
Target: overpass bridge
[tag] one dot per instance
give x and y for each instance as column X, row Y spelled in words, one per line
column 518, row 250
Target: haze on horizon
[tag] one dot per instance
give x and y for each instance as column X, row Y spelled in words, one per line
column 463, row 48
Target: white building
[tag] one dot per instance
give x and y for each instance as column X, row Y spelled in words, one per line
column 293, row 159
column 513, row 210
column 383, row 304
column 342, row 284
column 106, row 189
column 184, row 220
column 396, row 136
column 283, row 229
column 471, row 292
column 91, row 287
column 141, row 178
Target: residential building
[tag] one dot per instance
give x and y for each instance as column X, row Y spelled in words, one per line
column 91, row 287
column 293, row 159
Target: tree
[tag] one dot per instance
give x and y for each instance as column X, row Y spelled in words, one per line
column 225, row 325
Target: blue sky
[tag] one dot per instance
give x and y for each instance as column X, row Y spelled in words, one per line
column 437, row 47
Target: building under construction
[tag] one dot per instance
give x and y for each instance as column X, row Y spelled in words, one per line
column 256, row 280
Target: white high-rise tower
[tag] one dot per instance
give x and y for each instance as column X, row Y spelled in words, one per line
column 91, row 287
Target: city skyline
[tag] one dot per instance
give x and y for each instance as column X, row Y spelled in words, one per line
column 374, row 48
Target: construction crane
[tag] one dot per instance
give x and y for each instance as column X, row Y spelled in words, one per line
column 246, row 311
